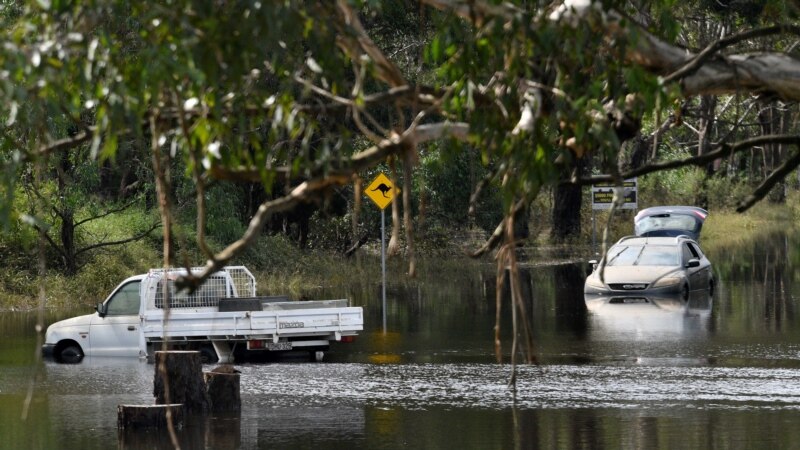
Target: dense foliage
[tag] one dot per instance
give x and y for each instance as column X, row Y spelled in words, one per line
column 234, row 118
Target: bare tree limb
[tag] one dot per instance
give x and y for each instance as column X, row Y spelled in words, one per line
column 775, row 177
column 120, row 241
column 300, row 193
column 360, row 161
column 774, row 73
column 105, row 213
column 712, row 49
column 723, row 151
column 355, row 41
column 497, row 236
column 67, row 143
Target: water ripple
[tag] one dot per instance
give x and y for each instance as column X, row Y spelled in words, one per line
column 486, row 386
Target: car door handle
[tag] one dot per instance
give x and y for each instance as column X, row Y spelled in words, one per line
column 131, row 328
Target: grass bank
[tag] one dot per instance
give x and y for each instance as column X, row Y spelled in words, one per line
column 281, row 268
column 725, row 228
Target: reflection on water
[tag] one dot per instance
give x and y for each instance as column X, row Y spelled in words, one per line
column 649, row 318
column 654, row 373
column 651, row 330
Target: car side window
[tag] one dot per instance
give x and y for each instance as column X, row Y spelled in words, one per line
column 687, row 253
column 695, row 251
column 125, row 301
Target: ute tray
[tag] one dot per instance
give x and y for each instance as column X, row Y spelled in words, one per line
column 249, row 303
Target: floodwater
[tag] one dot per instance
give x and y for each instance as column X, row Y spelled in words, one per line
column 721, row 372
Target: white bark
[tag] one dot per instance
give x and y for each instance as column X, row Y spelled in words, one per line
column 776, row 73
column 770, row 73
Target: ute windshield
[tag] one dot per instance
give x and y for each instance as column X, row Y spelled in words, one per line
column 643, row 255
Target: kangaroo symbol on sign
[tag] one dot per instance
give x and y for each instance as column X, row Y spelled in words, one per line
column 383, row 188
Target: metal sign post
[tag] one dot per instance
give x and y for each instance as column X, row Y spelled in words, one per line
column 382, row 192
column 594, row 235
column 383, row 266
column 603, row 197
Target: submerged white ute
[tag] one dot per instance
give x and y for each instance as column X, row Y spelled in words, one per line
column 221, row 318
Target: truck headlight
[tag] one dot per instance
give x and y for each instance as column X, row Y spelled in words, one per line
column 667, row 281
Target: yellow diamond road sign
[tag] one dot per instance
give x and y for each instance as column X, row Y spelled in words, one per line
column 381, row 191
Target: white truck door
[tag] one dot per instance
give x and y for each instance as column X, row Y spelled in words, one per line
column 117, row 333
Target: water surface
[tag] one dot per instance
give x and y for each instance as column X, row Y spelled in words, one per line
column 719, row 372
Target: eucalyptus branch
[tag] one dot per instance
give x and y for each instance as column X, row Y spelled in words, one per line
column 137, row 237
column 722, row 151
column 474, row 10
column 360, row 161
column 67, row 143
column 106, row 213
column 695, row 63
column 300, row 193
column 497, row 236
column 355, row 41
column 473, row 198
column 324, row 180
column 61, row 251
column 197, row 175
column 365, row 129
column 775, row 177
column 319, row 91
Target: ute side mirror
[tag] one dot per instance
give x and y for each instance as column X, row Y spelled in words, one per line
column 101, row 309
column 694, row 262
column 593, row 262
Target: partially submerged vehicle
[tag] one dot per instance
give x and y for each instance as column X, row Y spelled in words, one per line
column 222, row 316
column 663, row 259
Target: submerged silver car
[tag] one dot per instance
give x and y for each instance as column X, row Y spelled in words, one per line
column 651, row 266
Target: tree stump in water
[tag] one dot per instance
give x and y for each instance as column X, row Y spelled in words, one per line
column 222, row 387
column 184, row 381
column 148, row 416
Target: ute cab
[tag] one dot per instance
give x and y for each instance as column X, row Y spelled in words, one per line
column 670, row 221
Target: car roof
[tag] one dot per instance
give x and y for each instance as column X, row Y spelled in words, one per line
column 700, row 213
column 654, row 240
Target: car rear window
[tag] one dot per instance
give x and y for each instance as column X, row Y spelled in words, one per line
column 644, row 255
column 666, row 222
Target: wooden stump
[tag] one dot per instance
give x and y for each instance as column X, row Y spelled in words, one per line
column 148, row 416
column 184, row 381
column 223, row 392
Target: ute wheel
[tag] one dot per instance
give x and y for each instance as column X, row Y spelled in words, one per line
column 70, row 354
column 208, row 355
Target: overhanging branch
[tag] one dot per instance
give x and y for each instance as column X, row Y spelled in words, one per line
column 774, row 178
column 722, row 151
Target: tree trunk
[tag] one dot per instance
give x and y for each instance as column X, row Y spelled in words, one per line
column 223, row 392
column 708, row 106
column 148, row 416
column 182, row 378
column 566, row 212
column 566, row 215
column 68, row 241
column 771, row 120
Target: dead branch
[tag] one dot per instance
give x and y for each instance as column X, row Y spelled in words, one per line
column 723, row 150
column 137, row 237
column 774, row 178
column 712, row 49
